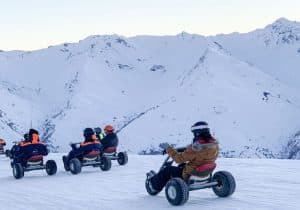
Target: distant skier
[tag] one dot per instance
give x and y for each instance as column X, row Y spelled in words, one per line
column 110, row 141
column 204, row 149
column 90, row 143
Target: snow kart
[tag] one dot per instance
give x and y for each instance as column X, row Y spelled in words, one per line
column 93, row 158
column 2, row 150
column 34, row 162
column 2, row 144
column 112, row 153
column 177, row 190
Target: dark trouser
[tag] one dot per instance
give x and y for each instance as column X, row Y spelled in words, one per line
column 76, row 152
column 160, row 180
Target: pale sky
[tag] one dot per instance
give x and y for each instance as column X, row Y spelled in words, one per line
column 35, row 24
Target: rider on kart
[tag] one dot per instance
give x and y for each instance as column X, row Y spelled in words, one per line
column 110, row 139
column 204, row 149
column 25, row 149
column 90, row 143
column 99, row 134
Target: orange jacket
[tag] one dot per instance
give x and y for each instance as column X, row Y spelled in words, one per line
column 35, row 140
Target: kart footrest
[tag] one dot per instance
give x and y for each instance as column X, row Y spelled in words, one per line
column 34, row 167
column 91, row 163
column 198, row 186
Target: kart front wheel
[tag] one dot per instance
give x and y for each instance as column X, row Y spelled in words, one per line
column 149, row 188
column 177, row 192
column 66, row 164
column 75, row 166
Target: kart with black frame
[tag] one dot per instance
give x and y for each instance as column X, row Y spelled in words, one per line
column 34, row 161
column 94, row 158
column 177, row 190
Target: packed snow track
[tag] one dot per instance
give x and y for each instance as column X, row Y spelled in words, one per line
column 261, row 184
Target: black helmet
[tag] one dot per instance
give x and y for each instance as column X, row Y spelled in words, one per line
column 199, row 128
column 26, row 136
column 98, row 130
column 33, row 131
column 88, row 132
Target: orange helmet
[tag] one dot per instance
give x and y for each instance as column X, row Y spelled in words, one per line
column 109, row 129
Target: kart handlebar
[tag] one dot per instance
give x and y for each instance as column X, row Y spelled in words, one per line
column 168, row 161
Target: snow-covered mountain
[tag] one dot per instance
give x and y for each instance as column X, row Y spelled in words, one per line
column 153, row 88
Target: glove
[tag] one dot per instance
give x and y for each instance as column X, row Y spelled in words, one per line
column 164, row 146
column 164, row 151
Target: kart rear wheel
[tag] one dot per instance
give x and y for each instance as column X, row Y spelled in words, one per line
column 18, row 170
column 105, row 163
column 177, row 191
column 226, row 184
column 75, row 166
column 51, row 167
column 122, row 158
column 66, row 165
column 8, row 153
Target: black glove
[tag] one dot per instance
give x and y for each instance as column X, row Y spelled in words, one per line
column 164, row 151
column 182, row 165
column 164, row 146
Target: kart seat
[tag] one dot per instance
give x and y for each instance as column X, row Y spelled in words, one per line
column 35, row 160
column 92, row 154
column 110, row 150
column 204, row 170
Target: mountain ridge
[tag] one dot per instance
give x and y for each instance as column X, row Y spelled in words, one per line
column 152, row 88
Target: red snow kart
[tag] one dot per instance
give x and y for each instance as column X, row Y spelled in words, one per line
column 92, row 158
column 35, row 161
column 177, row 190
column 112, row 153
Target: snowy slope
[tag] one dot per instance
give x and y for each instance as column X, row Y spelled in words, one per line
column 274, row 49
column 260, row 185
column 152, row 89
